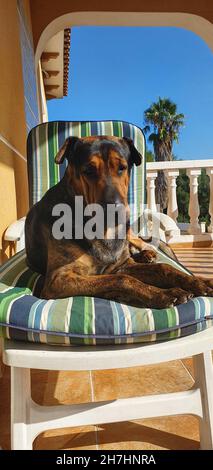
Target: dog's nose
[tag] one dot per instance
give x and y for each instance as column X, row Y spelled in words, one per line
column 111, row 196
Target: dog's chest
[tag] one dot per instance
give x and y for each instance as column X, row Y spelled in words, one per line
column 92, row 259
column 108, row 252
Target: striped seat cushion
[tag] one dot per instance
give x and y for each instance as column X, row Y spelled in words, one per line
column 87, row 320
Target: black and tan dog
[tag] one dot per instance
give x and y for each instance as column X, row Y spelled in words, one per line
column 99, row 170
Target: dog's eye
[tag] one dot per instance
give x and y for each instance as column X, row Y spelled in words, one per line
column 90, row 171
column 121, row 169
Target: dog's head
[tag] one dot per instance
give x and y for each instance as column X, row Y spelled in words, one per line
column 99, row 167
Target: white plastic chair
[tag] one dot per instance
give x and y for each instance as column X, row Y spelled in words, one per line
column 29, row 419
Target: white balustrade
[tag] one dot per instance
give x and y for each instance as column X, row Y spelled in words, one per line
column 193, row 171
column 172, row 209
column 210, row 174
column 151, row 203
column 194, row 209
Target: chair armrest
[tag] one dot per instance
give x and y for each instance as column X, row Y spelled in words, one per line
column 15, row 231
column 158, row 225
column 167, row 224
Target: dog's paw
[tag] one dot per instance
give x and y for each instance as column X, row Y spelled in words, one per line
column 145, row 256
column 149, row 255
column 201, row 287
column 173, row 297
column 209, row 285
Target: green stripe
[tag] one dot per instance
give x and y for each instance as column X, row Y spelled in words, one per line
column 88, row 316
column 171, row 315
column 7, row 297
column 116, row 129
column 160, row 318
column 88, row 319
column 77, row 315
column 83, row 129
column 88, row 129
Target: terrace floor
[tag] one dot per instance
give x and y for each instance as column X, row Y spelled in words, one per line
column 51, row 388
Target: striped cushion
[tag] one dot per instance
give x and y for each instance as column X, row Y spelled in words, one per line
column 86, row 320
column 45, row 140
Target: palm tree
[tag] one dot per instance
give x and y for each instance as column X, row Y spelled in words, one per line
column 163, row 123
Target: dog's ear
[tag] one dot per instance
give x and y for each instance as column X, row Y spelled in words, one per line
column 135, row 156
column 66, row 151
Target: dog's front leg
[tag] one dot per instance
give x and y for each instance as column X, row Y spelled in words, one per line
column 165, row 276
column 118, row 287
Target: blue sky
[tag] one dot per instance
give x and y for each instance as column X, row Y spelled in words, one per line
column 116, row 73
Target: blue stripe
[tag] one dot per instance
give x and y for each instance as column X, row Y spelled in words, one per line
column 202, row 306
column 186, row 311
column 122, row 325
column 126, row 129
column 38, row 314
column 94, row 128
column 104, row 324
column 19, row 312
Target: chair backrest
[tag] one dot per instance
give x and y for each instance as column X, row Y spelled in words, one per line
column 45, row 140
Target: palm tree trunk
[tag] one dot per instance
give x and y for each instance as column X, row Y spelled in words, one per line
column 162, row 153
column 161, row 191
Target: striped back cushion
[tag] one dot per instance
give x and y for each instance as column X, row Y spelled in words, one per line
column 45, row 140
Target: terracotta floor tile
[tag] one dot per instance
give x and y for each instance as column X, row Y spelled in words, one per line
column 162, row 378
column 53, row 387
column 174, row 433
column 70, row 438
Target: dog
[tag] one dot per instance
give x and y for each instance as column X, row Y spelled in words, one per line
column 98, row 170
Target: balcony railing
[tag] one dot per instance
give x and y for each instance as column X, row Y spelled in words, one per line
column 193, row 171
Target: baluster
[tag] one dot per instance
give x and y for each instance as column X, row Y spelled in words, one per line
column 151, row 203
column 209, row 172
column 194, row 209
column 172, row 209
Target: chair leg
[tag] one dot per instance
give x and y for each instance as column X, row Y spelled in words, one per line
column 204, row 380
column 20, row 409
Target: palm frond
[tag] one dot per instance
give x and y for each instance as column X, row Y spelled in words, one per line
column 163, row 122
